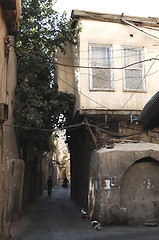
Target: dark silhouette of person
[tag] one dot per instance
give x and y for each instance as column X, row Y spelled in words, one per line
column 65, row 181
column 49, row 186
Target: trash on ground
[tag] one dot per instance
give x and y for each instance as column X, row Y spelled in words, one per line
column 150, row 224
column 96, row 225
column 83, row 214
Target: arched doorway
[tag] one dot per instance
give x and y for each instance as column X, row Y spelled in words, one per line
column 140, row 191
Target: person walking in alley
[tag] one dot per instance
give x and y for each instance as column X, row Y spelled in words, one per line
column 65, row 181
column 49, row 186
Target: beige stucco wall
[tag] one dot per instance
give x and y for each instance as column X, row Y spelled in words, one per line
column 117, row 35
column 65, row 75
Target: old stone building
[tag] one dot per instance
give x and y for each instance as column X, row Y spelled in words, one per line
column 11, row 167
column 113, row 72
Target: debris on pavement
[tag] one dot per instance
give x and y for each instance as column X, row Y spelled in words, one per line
column 150, row 224
column 96, row 225
column 83, row 214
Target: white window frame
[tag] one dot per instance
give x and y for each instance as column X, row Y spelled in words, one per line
column 111, row 88
column 142, row 82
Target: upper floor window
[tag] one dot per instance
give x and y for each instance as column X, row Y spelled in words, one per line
column 100, row 56
column 134, row 79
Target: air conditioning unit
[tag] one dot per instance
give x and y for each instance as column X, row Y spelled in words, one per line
column 3, row 112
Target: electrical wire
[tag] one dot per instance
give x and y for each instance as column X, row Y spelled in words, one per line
column 85, row 67
column 91, row 75
column 66, row 65
column 45, row 129
column 91, row 99
column 136, row 88
column 127, row 99
column 76, row 66
column 119, row 49
column 122, row 68
column 76, row 125
column 116, row 134
column 113, row 57
column 116, row 68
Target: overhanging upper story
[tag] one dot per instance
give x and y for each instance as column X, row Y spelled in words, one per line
column 114, row 67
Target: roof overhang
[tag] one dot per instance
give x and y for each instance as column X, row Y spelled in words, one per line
column 117, row 18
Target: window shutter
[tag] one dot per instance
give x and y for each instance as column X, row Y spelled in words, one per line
column 133, row 74
column 133, row 79
column 101, row 78
column 100, row 56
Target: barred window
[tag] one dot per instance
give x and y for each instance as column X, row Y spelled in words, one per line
column 134, row 78
column 100, row 56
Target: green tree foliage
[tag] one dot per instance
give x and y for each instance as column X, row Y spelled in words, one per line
column 62, row 166
column 38, row 103
column 53, row 145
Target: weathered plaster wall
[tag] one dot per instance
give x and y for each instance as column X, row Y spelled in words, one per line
column 4, row 217
column 9, row 18
column 15, row 165
column 110, row 200
column 65, row 76
column 11, row 138
column 16, row 178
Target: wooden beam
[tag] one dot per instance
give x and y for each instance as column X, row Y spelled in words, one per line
column 91, row 133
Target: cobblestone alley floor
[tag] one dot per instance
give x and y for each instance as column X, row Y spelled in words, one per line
column 58, row 218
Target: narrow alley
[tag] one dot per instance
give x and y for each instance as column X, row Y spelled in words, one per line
column 58, row 218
